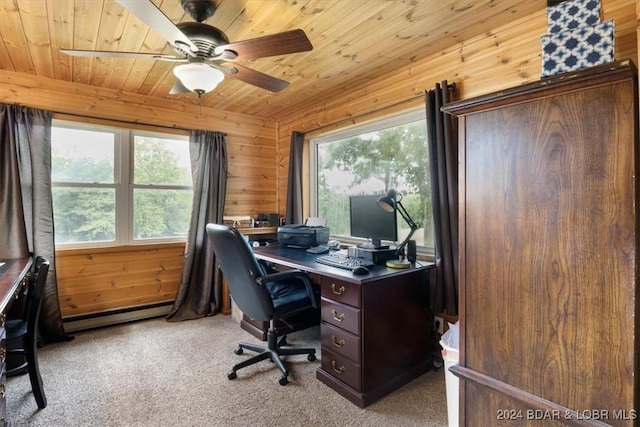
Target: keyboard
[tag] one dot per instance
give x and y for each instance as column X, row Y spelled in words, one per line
column 343, row 261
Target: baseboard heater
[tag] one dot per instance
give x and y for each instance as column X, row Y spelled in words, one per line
column 115, row 317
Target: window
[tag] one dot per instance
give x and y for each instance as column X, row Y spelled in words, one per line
column 371, row 159
column 115, row 186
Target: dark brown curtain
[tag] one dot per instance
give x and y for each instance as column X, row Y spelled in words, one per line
column 443, row 164
column 200, row 290
column 26, row 210
column 294, row 187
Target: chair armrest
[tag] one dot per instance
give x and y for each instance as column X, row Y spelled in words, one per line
column 291, row 274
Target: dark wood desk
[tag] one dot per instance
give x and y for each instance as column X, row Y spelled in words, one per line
column 14, row 274
column 375, row 327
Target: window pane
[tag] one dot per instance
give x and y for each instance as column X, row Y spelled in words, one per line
column 373, row 163
column 161, row 161
column 82, row 155
column 161, row 213
column 84, row 214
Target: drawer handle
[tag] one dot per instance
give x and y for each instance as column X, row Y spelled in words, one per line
column 338, row 370
column 336, row 342
column 336, row 317
column 339, row 291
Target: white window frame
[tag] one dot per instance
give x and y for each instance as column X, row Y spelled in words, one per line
column 123, row 184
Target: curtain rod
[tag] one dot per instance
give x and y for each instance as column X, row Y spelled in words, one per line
column 131, row 122
column 451, row 86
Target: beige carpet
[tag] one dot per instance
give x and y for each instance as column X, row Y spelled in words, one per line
column 156, row 373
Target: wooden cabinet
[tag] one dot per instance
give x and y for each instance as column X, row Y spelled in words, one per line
column 549, row 230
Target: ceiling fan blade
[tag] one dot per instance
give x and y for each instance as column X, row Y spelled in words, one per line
column 255, row 78
column 149, row 13
column 178, row 88
column 277, row 44
column 133, row 55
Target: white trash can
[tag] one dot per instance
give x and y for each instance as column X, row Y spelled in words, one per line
column 451, row 356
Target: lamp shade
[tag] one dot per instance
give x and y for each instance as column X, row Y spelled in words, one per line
column 388, row 202
column 198, row 78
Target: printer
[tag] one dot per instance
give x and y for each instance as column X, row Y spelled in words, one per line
column 306, row 235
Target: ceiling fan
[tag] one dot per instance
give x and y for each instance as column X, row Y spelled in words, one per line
column 205, row 53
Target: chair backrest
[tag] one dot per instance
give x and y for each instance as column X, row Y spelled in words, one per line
column 35, row 294
column 240, row 269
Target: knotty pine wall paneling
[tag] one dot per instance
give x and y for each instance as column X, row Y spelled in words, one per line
column 103, row 279
column 99, row 280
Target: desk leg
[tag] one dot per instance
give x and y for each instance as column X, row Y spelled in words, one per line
column 226, row 299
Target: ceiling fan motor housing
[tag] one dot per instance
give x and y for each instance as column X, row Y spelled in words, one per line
column 204, row 36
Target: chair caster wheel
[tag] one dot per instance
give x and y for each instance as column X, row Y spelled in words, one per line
column 283, row 381
column 312, row 357
column 232, row 375
column 238, row 350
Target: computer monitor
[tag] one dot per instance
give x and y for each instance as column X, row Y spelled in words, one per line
column 368, row 220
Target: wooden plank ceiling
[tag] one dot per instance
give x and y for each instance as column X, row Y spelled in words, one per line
column 354, row 41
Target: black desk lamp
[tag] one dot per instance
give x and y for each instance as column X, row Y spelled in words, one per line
column 389, row 203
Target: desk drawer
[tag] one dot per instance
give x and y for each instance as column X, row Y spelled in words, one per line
column 342, row 368
column 343, row 292
column 340, row 342
column 340, row 315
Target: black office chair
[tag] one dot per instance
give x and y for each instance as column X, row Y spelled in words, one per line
column 22, row 333
column 287, row 300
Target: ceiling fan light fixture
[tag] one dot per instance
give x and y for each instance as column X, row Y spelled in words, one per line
column 198, row 78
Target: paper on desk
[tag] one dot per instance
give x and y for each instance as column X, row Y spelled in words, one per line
column 316, row 222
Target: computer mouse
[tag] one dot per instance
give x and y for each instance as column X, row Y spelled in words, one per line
column 360, row 270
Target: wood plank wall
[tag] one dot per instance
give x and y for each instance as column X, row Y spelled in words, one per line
column 99, row 280
column 259, row 148
column 505, row 57
column 104, row 279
